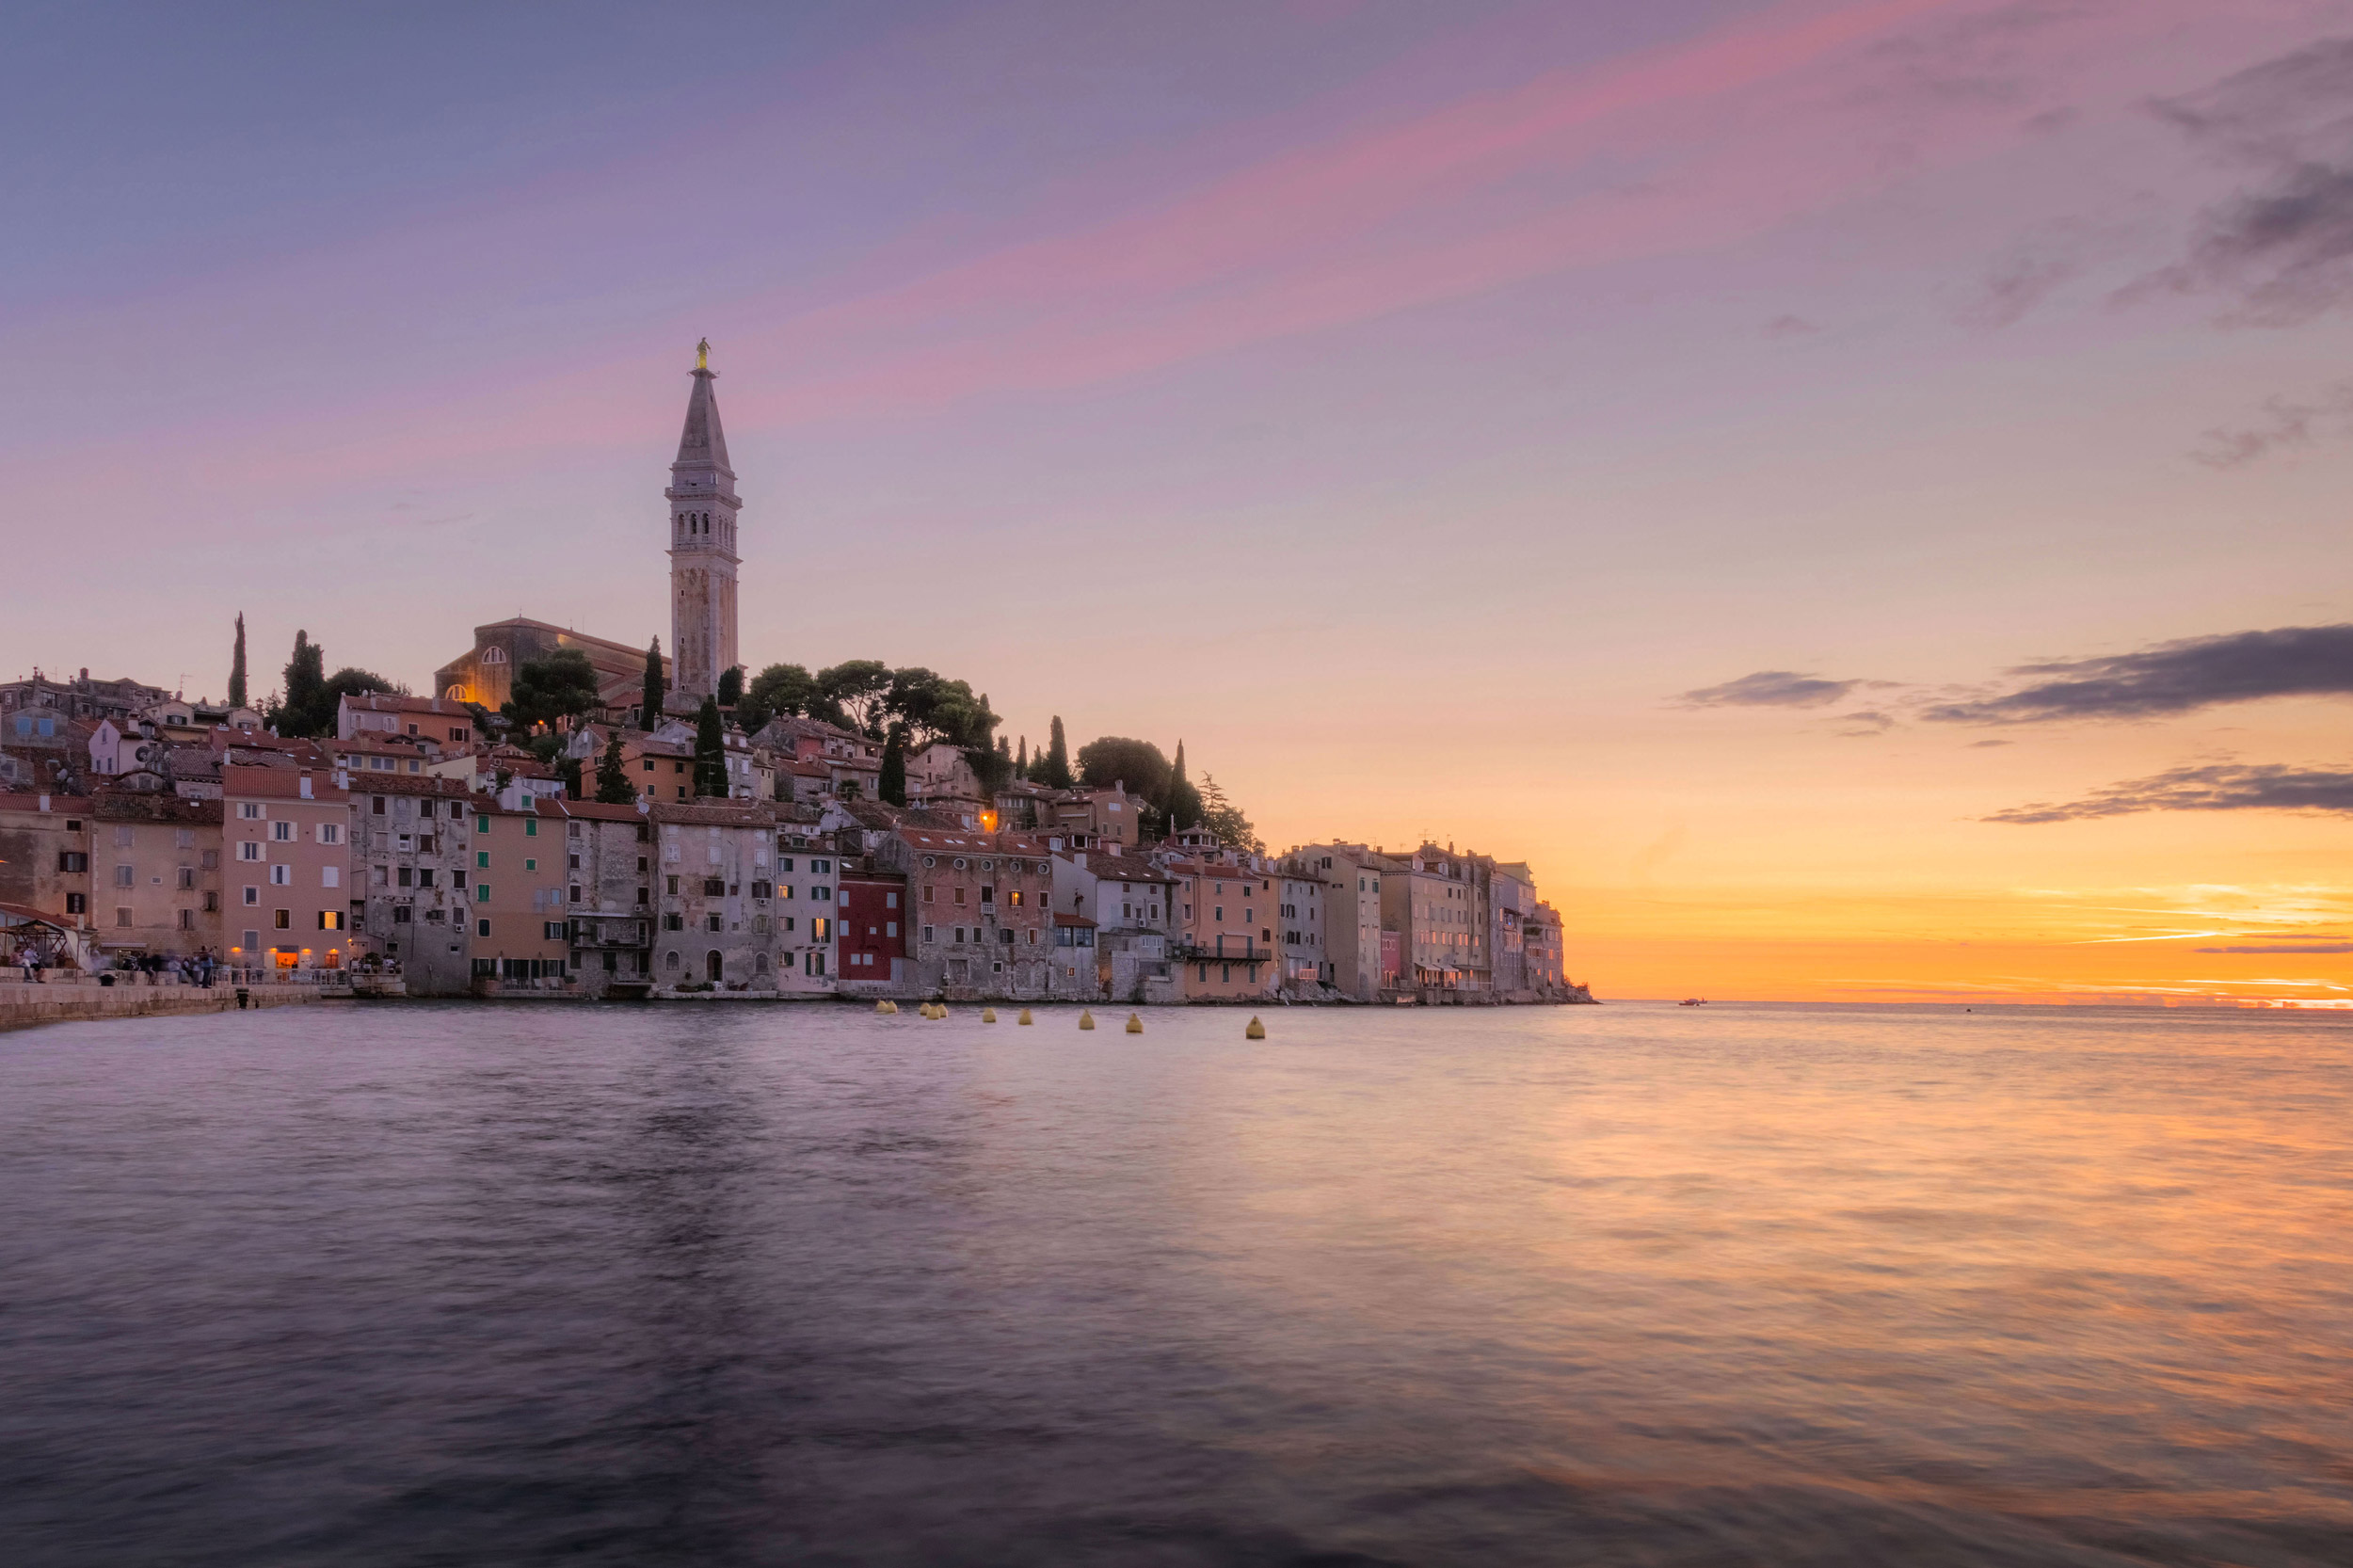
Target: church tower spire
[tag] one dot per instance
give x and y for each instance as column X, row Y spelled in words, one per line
column 703, row 505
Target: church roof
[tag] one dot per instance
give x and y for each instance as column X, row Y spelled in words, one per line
column 703, row 443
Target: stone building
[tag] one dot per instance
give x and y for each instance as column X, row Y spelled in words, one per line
column 412, row 874
column 485, row 673
column 1299, row 933
column 156, row 864
column 80, row 697
column 1351, row 875
column 715, row 895
column 1437, row 903
column 1126, row 906
column 703, row 508
column 44, row 857
column 980, row 911
column 609, row 890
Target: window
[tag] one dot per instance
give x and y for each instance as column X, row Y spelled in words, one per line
column 482, row 859
column 253, row 895
column 250, row 811
column 482, row 892
column 673, row 921
column 531, row 827
column 715, row 887
column 711, row 922
column 125, row 877
column 960, row 895
column 482, row 825
column 282, row 876
column 927, row 934
column 250, row 849
column 989, row 896
column 283, row 832
column 482, row 928
column 891, row 928
column 330, row 876
column 531, row 865
column 890, row 901
column 331, row 919
column 402, row 914
column 673, row 887
column 281, row 920
column 762, row 890
column 552, row 930
column 425, row 876
column 821, row 931
column 376, row 806
column 77, row 904
column 575, row 893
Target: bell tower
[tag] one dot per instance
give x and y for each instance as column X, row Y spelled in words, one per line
column 703, row 505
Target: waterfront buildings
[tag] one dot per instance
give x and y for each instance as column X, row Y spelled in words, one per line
column 431, row 835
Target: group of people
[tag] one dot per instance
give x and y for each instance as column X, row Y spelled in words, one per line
column 197, row 970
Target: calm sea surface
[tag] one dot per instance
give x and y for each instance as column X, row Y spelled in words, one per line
column 426, row 1284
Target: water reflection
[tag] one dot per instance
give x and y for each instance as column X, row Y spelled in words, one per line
column 629, row 1285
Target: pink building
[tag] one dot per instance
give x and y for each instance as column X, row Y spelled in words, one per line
column 286, row 867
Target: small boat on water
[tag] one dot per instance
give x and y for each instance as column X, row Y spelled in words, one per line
column 1692, row 1002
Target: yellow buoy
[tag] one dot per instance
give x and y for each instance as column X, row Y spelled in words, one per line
column 1257, row 1030
column 1025, row 1017
column 939, row 1010
column 1086, row 1020
column 885, row 1006
column 988, row 1015
column 1135, row 1024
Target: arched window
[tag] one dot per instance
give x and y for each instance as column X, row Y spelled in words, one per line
column 714, row 965
column 494, row 656
column 669, row 960
column 759, row 963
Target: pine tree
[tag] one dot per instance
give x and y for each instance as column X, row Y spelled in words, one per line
column 892, row 786
column 612, row 785
column 1057, row 772
column 236, row 666
column 650, row 715
column 710, row 750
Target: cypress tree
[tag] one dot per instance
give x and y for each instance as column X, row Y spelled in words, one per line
column 892, row 786
column 1057, row 772
column 236, row 666
column 306, row 689
column 710, row 750
column 650, row 715
column 612, row 785
column 732, row 687
column 1021, row 760
column 1182, row 807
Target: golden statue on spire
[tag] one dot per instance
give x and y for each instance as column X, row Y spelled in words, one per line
column 702, row 355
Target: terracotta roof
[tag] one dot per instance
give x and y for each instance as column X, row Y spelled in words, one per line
column 1114, row 868
column 393, row 702
column 592, row 810
column 411, row 784
column 1061, row 919
column 151, row 806
column 282, row 783
column 58, row 804
column 715, row 814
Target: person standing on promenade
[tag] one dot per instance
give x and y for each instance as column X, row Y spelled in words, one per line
column 27, row 959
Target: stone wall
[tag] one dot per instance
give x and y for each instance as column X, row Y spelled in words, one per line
column 23, row 1006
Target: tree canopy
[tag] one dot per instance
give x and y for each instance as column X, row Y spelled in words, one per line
column 1116, row 760
column 732, row 686
column 854, row 694
column 710, row 750
column 313, row 700
column 613, row 783
column 1225, row 819
column 562, row 685
column 1052, row 768
column 777, row 689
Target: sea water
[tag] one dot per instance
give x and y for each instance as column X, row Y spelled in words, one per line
column 718, row 1284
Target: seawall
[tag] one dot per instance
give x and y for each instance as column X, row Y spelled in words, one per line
column 23, row 1006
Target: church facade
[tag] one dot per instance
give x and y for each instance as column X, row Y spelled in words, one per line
column 703, row 507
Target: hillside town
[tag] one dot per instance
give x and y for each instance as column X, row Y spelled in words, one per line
column 570, row 816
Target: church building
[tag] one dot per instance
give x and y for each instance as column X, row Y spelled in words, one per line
column 701, row 647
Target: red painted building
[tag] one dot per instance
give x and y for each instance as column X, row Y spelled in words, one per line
column 870, row 928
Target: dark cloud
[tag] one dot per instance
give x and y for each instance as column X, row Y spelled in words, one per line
column 2172, row 678
column 2286, row 947
column 2287, row 422
column 2219, row 787
column 1976, row 744
column 1771, row 689
column 2282, row 247
column 1791, row 326
column 2015, row 284
column 1868, row 723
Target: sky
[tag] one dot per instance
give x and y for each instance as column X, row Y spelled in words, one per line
column 1854, row 492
